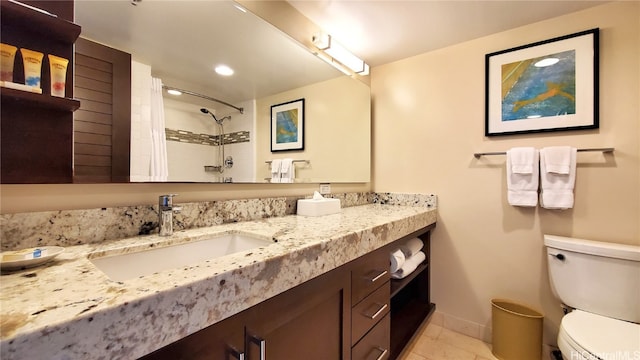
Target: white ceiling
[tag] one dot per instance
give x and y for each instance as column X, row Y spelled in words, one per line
column 385, row 31
column 182, row 40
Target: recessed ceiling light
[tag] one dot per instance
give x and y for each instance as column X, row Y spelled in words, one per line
column 546, row 62
column 174, row 92
column 224, row 70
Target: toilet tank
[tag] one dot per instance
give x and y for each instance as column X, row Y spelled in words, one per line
column 601, row 278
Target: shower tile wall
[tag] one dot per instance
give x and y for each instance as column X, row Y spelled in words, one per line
column 140, row 121
column 187, row 118
column 206, row 139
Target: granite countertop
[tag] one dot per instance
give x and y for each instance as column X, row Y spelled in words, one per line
column 68, row 309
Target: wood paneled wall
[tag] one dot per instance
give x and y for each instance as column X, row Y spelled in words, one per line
column 102, row 124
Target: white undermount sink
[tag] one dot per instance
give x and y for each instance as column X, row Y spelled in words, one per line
column 131, row 265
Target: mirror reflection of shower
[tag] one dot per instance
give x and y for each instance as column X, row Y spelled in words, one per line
column 225, row 162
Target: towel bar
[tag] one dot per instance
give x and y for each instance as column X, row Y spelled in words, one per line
column 604, row 150
column 304, row 161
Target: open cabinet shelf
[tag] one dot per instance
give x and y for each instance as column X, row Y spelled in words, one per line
column 37, row 129
column 38, row 100
column 410, row 300
column 50, row 26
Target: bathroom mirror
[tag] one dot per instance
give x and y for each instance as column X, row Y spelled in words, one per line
column 181, row 42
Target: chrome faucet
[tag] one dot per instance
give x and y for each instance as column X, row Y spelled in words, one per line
column 165, row 214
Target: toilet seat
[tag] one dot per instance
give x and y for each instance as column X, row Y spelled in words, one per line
column 585, row 335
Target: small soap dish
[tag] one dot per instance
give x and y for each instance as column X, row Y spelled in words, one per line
column 28, row 258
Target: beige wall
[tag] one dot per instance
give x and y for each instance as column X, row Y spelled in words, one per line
column 428, row 117
column 337, row 131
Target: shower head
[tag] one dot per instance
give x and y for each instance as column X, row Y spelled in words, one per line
column 219, row 121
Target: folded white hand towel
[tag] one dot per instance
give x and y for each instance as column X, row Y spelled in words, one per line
column 557, row 159
column 397, row 260
column 275, row 170
column 522, row 159
column 411, row 247
column 557, row 189
column 409, row 265
column 287, row 170
column 522, row 176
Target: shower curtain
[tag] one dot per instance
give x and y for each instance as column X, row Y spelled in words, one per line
column 159, row 167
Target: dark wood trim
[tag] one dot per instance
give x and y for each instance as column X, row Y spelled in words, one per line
column 37, row 129
column 63, row 9
column 59, row 27
column 120, row 109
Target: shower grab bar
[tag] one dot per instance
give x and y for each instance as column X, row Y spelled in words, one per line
column 203, row 97
column 604, row 150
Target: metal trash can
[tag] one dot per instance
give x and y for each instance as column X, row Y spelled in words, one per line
column 517, row 331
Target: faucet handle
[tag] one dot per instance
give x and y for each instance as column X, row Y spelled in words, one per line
column 166, row 200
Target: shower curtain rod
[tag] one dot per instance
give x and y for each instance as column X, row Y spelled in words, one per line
column 203, row 97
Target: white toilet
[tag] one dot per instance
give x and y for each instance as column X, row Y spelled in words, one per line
column 600, row 282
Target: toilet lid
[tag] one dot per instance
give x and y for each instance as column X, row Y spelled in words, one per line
column 601, row 336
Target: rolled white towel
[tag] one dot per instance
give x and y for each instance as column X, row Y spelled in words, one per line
column 412, row 247
column 409, row 266
column 397, row 260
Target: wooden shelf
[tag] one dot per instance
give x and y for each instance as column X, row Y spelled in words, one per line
column 405, row 321
column 39, row 100
column 398, row 284
column 51, row 27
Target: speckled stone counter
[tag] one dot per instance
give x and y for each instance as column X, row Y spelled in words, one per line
column 71, row 310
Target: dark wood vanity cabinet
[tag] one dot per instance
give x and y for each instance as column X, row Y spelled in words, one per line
column 310, row 322
column 411, row 299
column 370, row 305
column 353, row 312
column 37, row 129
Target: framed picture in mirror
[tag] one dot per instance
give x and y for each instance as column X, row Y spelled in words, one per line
column 287, row 126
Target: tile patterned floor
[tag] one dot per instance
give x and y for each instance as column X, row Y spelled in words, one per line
column 433, row 342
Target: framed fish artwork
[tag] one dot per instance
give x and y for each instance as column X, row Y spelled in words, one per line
column 551, row 85
column 287, row 126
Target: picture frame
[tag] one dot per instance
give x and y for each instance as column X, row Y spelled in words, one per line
column 551, row 85
column 287, row 126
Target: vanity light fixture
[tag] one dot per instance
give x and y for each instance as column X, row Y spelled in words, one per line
column 340, row 54
column 224, row 70
column 334, row 63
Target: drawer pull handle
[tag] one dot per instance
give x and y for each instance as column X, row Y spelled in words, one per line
column 260, row 342
column 384, row 352
column 377, row 277
column 236, row 354
column 378, row 312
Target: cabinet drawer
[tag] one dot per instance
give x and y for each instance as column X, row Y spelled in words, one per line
column 375, row 345
column 368, row 273
column 369, row 311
